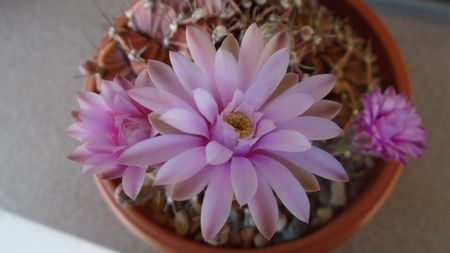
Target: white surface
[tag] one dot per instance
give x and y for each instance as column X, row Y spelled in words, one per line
column 18, row 235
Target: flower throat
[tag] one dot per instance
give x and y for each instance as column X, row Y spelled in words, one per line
column 241, row 124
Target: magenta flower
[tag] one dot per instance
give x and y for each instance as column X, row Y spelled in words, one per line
column 106, row 125
column 233, row 121
column 389, row 127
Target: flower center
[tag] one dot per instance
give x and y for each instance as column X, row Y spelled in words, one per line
column 241, row 124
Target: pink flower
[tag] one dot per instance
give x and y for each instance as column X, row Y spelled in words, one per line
column 389, row 127
column 106, row 125
column 233, row 121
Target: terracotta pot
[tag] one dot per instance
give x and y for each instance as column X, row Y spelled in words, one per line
column 356, row 215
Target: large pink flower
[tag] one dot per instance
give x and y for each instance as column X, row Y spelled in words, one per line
column 106, row 125
column 233, row 121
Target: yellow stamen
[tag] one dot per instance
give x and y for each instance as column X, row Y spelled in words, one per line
column 241, row 123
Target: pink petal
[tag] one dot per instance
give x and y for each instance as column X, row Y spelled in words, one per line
column 164, row 78
column 307, row 179
column 314, row 128
column 80, row 154
column 231, row 45
column 217, row 153
column 284, row 140
column 158, row 149
column 143, row 80
column 202, row 50
column 226, row 75
column 88, row 100
column 189, row 188
column 187, row 72
column 317, row 86
column 264, row 209
column 324, row 108
column 287, row 188
column 216, row 203
column 289, row 80
column 243, row 179
column 206, row 104
column 317, row 161
column 124, row 105
column 287, row 106
column 251, row 47
column 161, row 126
column 268, row 78
column 277, row 42
column 181, row 166
column 186, row 121
column 132, row 181
column 155, row 99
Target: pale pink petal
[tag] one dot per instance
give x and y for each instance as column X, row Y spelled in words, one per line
column 80, row 154
column 307, row 179
column 88, row 100
column 181, row 166
column 161, row 126
column 202, row 50
column 324, row 108
column 189, row 188
column 124, row 105
column 132, row 181
column 264, row 209
column 217, row 153
column 317, row 86
column 186, row 121
column 287, row 188
column 187, row 72
column 287, row 107
column 226, row 75
column 251, row 47
column 317, row 161
column 206, row 104
column 157, row 100
column 243, row 179
column 164, row 78
column 268, row 78
column 158, row 149
column 277, row 42
column 143, row 80
column 289, row 80
column 217, row 202
column 231, row 45
column 314, row 128
column 283, row 140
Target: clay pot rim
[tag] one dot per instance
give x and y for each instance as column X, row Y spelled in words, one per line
column 351, row 219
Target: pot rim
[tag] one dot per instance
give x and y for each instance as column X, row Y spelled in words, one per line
column 352, row 218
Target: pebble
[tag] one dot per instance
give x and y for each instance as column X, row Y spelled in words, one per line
column 247, row 235
column 235, row 237
column 293, row 230
column 281, row 224
column 181, row 223
column 338, row 194
column 260, row 241
column 322, row 216
column 222, row 237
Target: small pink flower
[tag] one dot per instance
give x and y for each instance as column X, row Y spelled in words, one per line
column 106, row 125
column 389, row 127
column 233, row 121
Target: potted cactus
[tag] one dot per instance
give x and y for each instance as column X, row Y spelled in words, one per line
column 217, row 126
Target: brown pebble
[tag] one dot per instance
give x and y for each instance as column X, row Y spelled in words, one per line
column 260, row 240
column 247, row 235
column 181, row 223
column 222, row 237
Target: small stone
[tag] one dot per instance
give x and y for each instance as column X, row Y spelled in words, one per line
column 222, row 237
column 306, row 32
column 323, row 215
column 247, row 3
column 260, row 241
column 338, row 194
column 281, row 224
column 195, row 224
column 247, row 235
column 233, row 219
column 235, row 237
column 261, row 2
column 181, row 223
column 293, row 230
column 248, row 220
column 145, row 195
